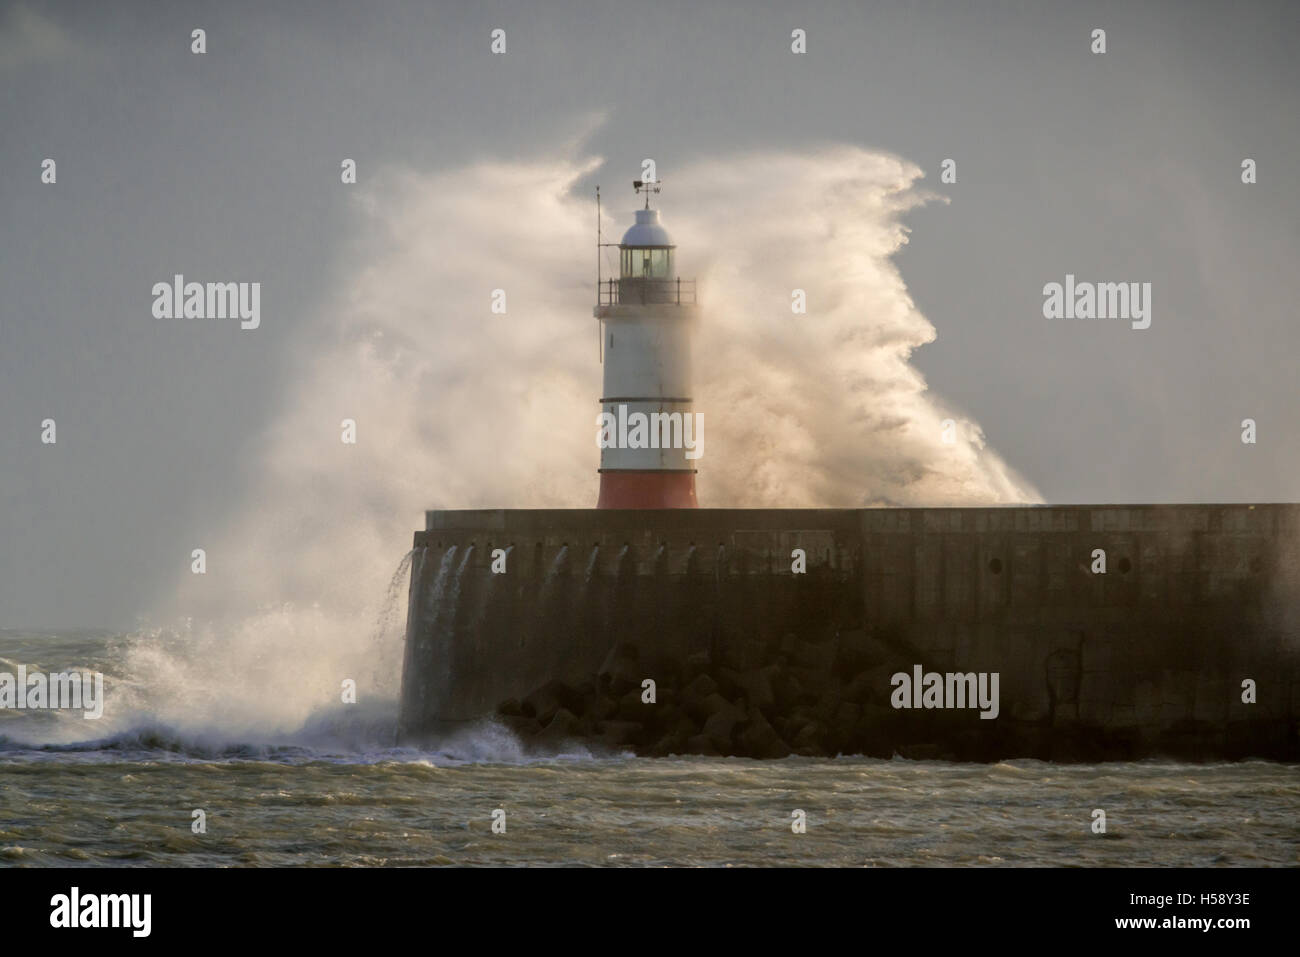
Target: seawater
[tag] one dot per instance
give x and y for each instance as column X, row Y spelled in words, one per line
column 337, row 791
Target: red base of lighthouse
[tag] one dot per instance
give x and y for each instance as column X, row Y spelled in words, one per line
column 627, row 489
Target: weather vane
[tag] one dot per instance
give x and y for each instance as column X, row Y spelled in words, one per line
column 647, row 187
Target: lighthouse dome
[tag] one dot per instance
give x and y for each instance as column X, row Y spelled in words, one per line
column 647, row 231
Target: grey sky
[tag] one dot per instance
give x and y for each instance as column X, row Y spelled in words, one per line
column 1123, row 166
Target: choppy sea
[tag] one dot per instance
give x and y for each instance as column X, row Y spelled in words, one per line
column 333, row 789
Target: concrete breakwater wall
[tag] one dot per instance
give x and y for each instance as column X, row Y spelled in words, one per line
column 1197, row 609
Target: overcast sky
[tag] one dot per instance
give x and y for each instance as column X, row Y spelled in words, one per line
column 1123, row 166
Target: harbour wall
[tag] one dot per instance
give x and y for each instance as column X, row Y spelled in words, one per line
column 1149, row 657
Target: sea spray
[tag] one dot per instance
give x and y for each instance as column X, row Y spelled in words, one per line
column 391, row 610
column 449, row 625
column 419, row 696
column 822, row 409
column 556, row 570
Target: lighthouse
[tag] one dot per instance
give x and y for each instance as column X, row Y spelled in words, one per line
column 649, row 435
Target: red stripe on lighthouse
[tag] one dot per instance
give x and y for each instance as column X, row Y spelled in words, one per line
column 628, row 489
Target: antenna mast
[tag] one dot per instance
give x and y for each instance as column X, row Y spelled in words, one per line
column 600, row 327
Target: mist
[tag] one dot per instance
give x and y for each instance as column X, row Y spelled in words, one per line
column 457, row 407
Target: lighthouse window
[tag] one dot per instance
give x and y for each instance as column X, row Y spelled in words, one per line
column 647, row 263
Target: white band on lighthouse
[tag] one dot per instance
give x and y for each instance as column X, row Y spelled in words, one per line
column 653, row 430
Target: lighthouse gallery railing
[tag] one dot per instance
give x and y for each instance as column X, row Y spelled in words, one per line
column 615, row 292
